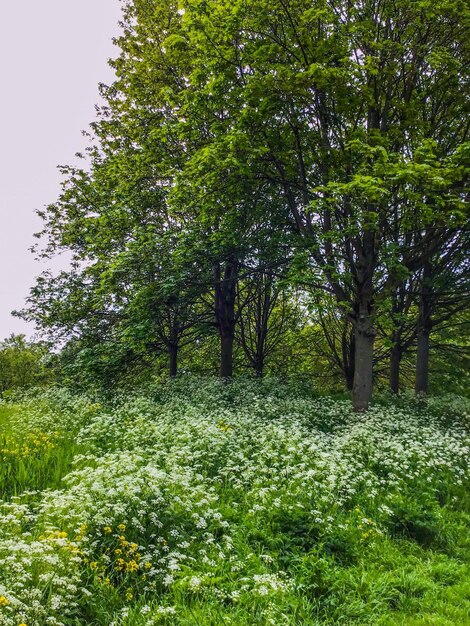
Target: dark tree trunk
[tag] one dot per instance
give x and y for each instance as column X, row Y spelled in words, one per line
column 364, row 325
column 363, row 370
column 349, row 379
column 173, row 353
column 348, row 345
column 364, row 322
column 422, row 363
column 225, row 297
column 423, row 332
column 226, row 356
column 395, row 361
column 258, row 366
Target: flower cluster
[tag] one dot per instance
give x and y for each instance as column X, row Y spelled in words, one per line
column 214, row 492
column 31, row 444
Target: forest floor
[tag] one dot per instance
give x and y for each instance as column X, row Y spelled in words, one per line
column 256, row 503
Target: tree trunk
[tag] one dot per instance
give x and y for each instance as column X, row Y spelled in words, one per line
column 422, row 363
column 348, row 348
column 364, row 323
column 225, row 297
column 363, row 369
column 424, row 330
column 258, row 366
column 395, row 361
column 349, row 378
column 226, row 357
column 173, row 352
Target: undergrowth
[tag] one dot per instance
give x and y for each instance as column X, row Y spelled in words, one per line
column 201, row 503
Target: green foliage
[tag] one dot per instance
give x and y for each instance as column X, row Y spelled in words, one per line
column 23, row 364
column 450, row 360
column 280, row 186
column 325, row 145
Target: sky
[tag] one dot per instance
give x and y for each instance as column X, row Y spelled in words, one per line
column 53, row 54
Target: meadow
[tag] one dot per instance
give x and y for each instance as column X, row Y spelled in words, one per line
column 256, row 503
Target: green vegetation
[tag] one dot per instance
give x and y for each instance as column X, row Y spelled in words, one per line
column 37, row 445
column 202, row 503
column 271, row 186
column 275, row 193
column 22, row 363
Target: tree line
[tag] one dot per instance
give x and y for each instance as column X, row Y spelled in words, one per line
column 267, row 172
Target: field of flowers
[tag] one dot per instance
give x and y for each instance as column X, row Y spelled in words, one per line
column 256, row 503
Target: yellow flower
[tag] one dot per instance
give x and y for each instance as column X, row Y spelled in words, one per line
column 129, row 594
column 93, row 565
column 132, row 566
column 22, row 624
column 122, row 527
column 4, row 601
column 108, row 529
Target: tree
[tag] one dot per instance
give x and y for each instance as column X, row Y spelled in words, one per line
column 22, row 363
column 444, row 291
column 266, row 308
column 240, row 136
column 355, row 112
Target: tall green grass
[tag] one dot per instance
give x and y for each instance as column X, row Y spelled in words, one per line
column 31, row 459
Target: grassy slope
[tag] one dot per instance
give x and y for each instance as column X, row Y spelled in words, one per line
column 263, row 505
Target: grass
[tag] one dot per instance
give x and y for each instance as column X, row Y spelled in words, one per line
column 32, row 458
column 257, row 503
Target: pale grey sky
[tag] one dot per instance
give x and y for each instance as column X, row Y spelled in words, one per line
column 53, row 54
